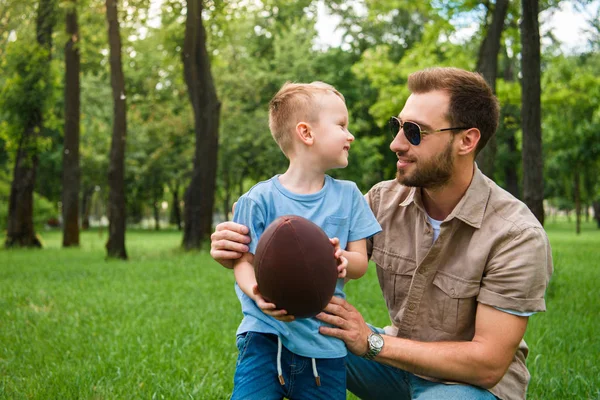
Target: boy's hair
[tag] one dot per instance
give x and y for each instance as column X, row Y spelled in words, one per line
column 294, row 103
column 472, row 102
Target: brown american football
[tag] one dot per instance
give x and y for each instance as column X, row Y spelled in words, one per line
column 295, row 266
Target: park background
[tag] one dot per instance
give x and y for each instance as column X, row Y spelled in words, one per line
column 128, row 128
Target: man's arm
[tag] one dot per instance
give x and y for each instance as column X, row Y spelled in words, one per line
column 482, row 361
column 228, row 243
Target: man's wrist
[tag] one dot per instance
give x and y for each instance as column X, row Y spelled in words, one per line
column 375, row 344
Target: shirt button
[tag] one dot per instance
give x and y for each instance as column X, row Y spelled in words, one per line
column 412, row 306
column 452, row 291
column 423, row 270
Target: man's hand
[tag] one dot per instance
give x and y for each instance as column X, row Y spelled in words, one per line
column 228, row 243
column 270, row 308
column 351, row 327
column 341, row 260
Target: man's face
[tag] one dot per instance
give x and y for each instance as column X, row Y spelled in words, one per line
column 430, row 164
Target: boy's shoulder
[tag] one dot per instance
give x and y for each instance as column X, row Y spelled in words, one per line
column 260, row 189
column 342, row 183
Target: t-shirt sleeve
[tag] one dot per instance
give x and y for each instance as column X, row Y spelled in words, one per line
column 248, row 212
column 363, row 223
column 517, row 274
column 372, row 199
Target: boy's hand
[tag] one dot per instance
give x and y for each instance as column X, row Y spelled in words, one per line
column 342, row 261
column 269, row 308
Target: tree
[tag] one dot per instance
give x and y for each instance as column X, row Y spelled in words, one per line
column 21, row 230
column 115, row 246
column 572, row 139
column 199, row 196
column 533, row 166
column 487, row 64
column 71, row 174
column 508, row 157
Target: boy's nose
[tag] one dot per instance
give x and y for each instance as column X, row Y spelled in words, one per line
column 350, row 137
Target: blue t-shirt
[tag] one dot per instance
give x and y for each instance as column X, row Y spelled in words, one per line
column 340, row 209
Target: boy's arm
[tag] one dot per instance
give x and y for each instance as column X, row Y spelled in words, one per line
column 243, row 271
column 356, row 254
column 244, row 274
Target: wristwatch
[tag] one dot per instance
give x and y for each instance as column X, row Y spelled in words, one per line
column 375, row 342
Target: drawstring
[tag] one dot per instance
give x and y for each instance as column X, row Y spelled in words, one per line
column 315, row 373
column 280, row 373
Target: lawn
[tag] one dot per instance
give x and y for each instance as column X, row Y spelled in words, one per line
column 161, row 325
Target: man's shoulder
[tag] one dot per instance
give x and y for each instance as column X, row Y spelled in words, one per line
column 390, row 185
column 392, row 190
column 504, row 207
column 508, row 220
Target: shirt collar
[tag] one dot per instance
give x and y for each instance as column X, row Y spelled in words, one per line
column 471, row 207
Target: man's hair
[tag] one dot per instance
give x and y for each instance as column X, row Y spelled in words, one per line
column 294, row 103
column 472, row 102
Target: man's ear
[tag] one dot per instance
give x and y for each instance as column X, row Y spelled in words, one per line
column 304, row 132
column 468, row 142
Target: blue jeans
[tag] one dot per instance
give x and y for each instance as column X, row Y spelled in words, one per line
column 256, row 374
column 371, row 380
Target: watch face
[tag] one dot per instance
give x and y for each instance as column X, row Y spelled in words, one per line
column 376, row 341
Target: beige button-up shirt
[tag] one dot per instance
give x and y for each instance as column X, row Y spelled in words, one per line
column 491, row 249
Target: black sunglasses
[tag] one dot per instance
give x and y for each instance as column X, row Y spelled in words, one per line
column 412, row 131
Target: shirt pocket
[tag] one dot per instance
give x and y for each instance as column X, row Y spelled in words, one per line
column 395, row 273
column 337, row 227
column 454, row 301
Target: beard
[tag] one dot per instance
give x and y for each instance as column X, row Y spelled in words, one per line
column 430, row 174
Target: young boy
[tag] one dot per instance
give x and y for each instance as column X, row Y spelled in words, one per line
column 280, row 356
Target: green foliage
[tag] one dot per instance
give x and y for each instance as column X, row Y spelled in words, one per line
column 25, row 89
column 254, row 48
column 571, row 98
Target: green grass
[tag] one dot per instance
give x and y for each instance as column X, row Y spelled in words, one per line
column 162, row 325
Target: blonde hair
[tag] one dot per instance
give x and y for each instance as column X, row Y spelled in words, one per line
column 294, row 103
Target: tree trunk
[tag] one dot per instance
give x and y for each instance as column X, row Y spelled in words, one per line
column 487, row 65
column 533, row 167
column 510, row 170
column 86, row 207
column 115, row 246
column 511, row 175
column 199, row 196
column 20, row 230
column 176, row 209
column 71, row 172
column 596, row 206
column 156, row 210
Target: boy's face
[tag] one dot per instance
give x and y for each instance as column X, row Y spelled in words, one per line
column 332, row 138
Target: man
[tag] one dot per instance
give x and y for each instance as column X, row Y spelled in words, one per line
column 461, row 263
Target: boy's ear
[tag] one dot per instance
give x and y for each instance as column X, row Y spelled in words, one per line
column 468, row 142
column 304, row 132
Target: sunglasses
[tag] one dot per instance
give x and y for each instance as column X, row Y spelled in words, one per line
column 412, row 131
